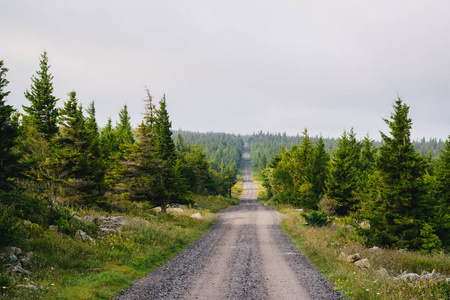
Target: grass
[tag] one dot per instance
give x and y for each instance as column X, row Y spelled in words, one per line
column 68, row 268
column 323, row 246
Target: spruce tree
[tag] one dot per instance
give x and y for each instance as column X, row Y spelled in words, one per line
column 319, row 170
column 77, row 156
column 164, row 145
column 396, row 211
column 124, row 129
column 9, row 131
column 441, row 218
column 42, row 112
column 342, row 181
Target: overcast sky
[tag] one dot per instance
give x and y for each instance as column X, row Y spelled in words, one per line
column 241, row 66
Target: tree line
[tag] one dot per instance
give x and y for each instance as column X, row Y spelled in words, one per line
column 404, row 195
column 53, row 156
column 265, row 145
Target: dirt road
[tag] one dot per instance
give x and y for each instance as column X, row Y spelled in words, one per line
column 245, row 255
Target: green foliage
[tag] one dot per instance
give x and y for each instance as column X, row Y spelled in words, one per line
column 9, row 131
column 11, row 231
column 42, row 111
column 76, row 158
column 342, row 182
column 398, row 207
column 124, row 129
column 317, row 218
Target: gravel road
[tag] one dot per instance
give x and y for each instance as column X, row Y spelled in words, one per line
column 245, row 255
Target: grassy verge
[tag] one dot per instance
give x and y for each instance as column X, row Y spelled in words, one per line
column 65, row 267
column 323, row 246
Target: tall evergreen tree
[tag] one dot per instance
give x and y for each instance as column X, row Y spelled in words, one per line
column 396, row 212
column 441, row 218
column 124, row 128
column 342, row 181
column 9, row 131
column 319, row 170
column 42, row 111
column 77, row 155
column 164, row 145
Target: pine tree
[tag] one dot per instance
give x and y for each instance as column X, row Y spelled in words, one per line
column 441, row 213
column 164, row 145
column 124, row 129
column 342, row 181
column 396, row 211
column 42, row 111
column 9, row 131
column 77, row 155
column 319, row 170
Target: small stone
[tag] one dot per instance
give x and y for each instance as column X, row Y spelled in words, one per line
column 383, row 272
column 353, row 258
column 197, row 216
column 82, row 235
column 18, row 269
column 342, row 256
column 363, row 263
column 410, row 277
column 374, row 249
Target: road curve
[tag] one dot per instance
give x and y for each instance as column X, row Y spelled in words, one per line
column 245, row 255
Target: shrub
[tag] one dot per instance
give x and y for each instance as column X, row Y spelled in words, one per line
column 11, row 231
column 328, row 205
column 318, row 218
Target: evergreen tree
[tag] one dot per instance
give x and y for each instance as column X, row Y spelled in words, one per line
column 441, row 218
column 319, row 170
column 9, row 131
column 396, row 211
column 109, row 141
column 124, row 129
column 342, row 181
column 42, row 111
column 164, row 145
column 77, row 155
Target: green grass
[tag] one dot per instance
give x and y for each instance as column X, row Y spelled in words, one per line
column 323, row 246
column 68, row 268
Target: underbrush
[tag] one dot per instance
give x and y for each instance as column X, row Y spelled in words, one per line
column 67, row 267
column 323, row 245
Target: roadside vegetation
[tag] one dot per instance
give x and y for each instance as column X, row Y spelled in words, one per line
column 383, row 279
column 85, row 210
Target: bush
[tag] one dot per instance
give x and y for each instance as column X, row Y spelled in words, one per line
column 11, row 231
column 318, row 218
column 328, row 205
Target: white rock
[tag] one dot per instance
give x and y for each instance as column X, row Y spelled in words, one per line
column 175, row 209
column 363, row 263
column 81, row 234
column 383, row 272
column 409, row 277
column 197, row 216
column 374, row 248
